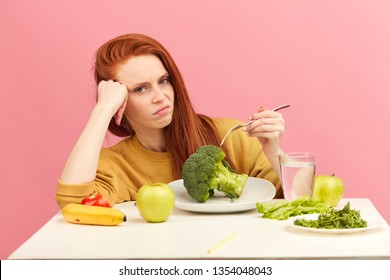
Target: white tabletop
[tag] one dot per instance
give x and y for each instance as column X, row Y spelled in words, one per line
column 188, row 235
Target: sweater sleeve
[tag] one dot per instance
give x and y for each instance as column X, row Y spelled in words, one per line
column 260, row 167
column 110, row 181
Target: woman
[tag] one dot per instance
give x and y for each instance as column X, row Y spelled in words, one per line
column 142, row 97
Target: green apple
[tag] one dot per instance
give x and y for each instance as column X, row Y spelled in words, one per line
column 155, row 202
column 328, row 188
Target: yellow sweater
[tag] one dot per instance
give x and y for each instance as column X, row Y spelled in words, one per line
column 126, row 166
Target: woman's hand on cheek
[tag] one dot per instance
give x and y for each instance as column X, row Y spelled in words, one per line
column 119, row 114
column 113, row 95
column 268, row 127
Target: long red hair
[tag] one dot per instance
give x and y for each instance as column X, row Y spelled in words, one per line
column 188, row 130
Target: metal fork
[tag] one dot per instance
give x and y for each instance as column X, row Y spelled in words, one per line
column 245, row 124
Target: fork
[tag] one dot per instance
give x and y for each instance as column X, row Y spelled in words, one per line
column 245, row 124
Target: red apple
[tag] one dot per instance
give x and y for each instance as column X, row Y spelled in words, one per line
column 155, row 202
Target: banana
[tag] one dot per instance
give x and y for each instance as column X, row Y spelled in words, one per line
column 92, row 215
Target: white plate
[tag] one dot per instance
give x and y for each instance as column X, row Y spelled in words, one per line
column 372, row 222
column 255, row 190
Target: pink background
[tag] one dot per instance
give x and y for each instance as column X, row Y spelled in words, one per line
column 329, row 59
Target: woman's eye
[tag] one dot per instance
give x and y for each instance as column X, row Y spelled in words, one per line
column 164, row 80
column 140, row 89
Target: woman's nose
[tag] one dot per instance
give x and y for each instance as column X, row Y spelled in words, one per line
column 158, row 96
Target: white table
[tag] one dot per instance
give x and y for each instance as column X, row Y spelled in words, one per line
column 188, row 235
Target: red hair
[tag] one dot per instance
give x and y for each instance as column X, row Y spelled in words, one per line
column 188, row 130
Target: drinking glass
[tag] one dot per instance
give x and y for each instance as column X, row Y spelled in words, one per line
column 297, row 171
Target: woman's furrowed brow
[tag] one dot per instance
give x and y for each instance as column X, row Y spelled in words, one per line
column 166, row 74
column 137, row 84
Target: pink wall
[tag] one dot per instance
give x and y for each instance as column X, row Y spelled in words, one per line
column 329, row 59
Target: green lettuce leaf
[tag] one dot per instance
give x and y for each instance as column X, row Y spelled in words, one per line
column 283, row 209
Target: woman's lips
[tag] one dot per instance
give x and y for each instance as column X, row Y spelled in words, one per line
column 162, row 111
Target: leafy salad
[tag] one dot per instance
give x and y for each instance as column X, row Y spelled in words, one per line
column 328, row 218
column 335, row 219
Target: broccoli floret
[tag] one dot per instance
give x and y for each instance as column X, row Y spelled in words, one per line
column 207, row 170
